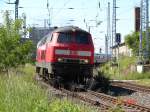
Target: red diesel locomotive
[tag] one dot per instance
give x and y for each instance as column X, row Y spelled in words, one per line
column 66, row 53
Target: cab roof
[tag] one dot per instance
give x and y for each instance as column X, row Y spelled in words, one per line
column 70, row 29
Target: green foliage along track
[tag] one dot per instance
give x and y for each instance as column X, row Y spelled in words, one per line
column 20, row 93
column 13, row 52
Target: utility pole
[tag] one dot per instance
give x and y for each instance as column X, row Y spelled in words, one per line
column 89, row 29
column 108, row 29
column 114, row 27
column 144, row 26
column 24, row 25
column 106, row 46
column 48, row 13
column 147, row 31
column 115, row 37
column 141, row 30
column 44, row 23
column 16, row 8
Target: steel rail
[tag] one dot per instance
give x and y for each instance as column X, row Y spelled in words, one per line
column 86, row 98
column 131, row 86
column 120, row 102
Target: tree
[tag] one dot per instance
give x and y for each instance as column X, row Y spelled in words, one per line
column 12, row 52
column 132, row 40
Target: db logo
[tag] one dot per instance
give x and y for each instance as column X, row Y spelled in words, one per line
column 73, row 52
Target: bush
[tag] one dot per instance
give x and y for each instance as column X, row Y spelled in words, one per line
column 18, row 95
column 12, row 52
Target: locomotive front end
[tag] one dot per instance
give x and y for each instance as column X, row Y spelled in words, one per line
column 68, row 55
column 74, row 55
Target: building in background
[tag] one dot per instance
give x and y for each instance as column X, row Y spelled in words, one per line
column 36, row 34
column 124, row 50
column 39, row 32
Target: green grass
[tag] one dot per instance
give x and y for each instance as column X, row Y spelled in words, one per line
column 145, row 82
column 68, row 106
column 20, row 93
column 126, row 62
column 124, row 72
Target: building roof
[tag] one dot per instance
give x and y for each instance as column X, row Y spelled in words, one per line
column 120, row 45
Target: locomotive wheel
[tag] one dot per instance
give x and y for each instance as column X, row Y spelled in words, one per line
column 55, row 83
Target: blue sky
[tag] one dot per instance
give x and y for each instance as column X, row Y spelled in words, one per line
column 36, row 12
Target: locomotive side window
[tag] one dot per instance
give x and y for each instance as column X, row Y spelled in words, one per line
column 42, row 41
column 65, row 38
column 82, row 38
column 49, row 37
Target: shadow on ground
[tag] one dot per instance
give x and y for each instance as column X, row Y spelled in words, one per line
column 101, row 83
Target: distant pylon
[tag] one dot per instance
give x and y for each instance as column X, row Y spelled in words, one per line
column 16, row 8
column 109, row 29
column 114, row 27
column 24, row 25
column 144, row 26
column 147, row 29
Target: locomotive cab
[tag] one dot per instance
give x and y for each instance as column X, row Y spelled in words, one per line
column 68, row 53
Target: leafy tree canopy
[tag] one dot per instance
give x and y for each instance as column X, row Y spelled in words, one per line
column 13, row 52
column 132, row 40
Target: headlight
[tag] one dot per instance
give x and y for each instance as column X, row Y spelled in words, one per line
column 60, row 59
column 86, row 61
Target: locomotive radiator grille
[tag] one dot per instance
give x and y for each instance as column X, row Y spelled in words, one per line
column 72, row 60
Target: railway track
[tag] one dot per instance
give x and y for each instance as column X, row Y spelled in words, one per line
column 81, row 96
column 103, row 101
column 88, row 98
column 131, row 86
column 125, row 105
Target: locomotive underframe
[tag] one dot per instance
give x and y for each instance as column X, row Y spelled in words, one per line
column 78, row 73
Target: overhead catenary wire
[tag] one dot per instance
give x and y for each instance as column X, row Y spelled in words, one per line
column 62, row 7
column 60, row 10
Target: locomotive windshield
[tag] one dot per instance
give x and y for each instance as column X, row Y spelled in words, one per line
column 82, row 38
column 65, row 38
column 78, row 37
